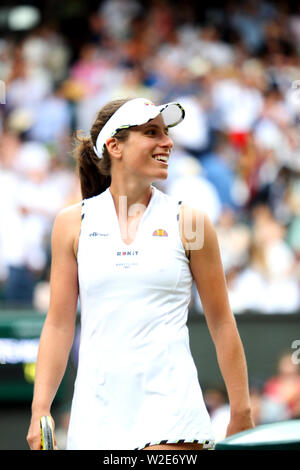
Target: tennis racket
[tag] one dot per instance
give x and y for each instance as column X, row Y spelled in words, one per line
column 47, row 436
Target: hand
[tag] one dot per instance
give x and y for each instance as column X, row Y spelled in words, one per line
column 34, row 432
column 240, row 422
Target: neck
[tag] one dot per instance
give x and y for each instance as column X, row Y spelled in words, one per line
column 130, row 193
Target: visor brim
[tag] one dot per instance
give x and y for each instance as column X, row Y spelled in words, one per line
column 172, row 113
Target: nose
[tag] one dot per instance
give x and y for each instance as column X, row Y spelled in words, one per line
column 167, row 142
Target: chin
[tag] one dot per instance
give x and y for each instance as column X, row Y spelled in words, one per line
column 159, row 176
column 162, row 175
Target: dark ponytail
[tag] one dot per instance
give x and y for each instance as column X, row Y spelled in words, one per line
column 94, row 173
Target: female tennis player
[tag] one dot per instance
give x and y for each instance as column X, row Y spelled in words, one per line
column 131, row 253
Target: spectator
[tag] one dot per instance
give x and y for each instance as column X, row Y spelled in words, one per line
column 193, row 188
column 269, row 282
column 52, row 119
column 284, row 387
column 218, row 168
column 193, row 135
column 117, row 16
column 234, row 240
column 265, row 408
column 24, row 89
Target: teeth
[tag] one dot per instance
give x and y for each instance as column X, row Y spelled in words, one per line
column 161, row 158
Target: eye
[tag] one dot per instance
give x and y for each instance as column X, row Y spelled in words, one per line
column 155, row 132
column 151, row 131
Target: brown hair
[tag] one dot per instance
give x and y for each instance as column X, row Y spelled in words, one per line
column 94, row 173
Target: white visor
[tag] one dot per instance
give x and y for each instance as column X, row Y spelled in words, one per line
column 135, row 113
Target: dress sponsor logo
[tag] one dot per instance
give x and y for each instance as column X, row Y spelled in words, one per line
column 128, row 253
column 98, row 234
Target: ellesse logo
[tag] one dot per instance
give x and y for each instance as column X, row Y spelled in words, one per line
column 159, row 233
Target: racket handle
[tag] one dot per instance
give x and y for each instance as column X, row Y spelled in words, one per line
column 47, row 437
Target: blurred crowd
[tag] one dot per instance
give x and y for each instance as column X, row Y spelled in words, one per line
column 236, row 71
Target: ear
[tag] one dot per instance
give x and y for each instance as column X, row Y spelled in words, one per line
column 113, row 147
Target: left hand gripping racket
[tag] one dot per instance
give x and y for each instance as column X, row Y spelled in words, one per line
column 47, row 437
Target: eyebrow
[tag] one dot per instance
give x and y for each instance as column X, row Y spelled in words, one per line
column 149, row 124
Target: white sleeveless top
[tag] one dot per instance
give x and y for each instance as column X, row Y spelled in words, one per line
column 136, row 383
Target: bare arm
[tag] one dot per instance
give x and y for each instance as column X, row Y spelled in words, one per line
column 207, row 270
column 58, row 331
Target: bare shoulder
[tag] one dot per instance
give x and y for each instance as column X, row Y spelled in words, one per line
column 68, row 218
column 69, row 213
column 67, row 225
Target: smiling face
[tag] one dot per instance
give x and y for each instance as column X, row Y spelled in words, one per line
column 146, row 152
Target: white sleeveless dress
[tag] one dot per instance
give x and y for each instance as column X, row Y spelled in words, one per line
column 136, row 384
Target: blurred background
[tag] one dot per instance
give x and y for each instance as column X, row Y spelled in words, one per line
column 235, row 67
